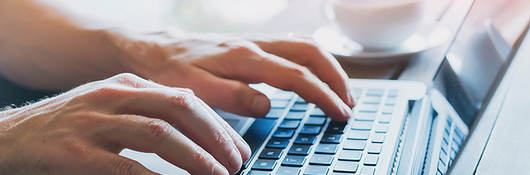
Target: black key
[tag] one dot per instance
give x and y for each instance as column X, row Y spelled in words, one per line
column 300, row 149
column 365, row 117
column 316, row 170
column 378, row 138
column 279, row 104
column 441, row 167
column 393, row 93
column 291, row 160
column 275, row 113
column 317, row 112
column 327, row 148
column 336, row 127
column 366, row 170
column 358, row 135
column 271, row 153
column 254, row 172
column 313, row 130
column 387, row 110
column 285, row 170
column 352, row 155
column 300, row 100
column 277, row 143
column 256, row 135
column 282, row 96
column 295, row 115
column 371, row 159
column 381, row 128
column 340, row 173
column 360, row 125
column 331, row 138
column 354, row 144
column 375, row 92
column 299, row 107
column 321, row 159
column 372, row 100
column 305, row 139
column 290, row 124
column 264, row 164
column 319, row 121
column 367, row 108
column 384, row 118
column 375, row 148
column 283, row 133
column 346, row 166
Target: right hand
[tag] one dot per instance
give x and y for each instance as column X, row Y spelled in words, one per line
column 83, row 130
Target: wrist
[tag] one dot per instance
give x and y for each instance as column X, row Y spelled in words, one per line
column 143, row 52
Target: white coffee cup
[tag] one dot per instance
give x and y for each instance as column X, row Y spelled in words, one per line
column 377, row 24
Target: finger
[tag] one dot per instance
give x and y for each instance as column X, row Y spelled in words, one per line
column 188, row 114
column 283, row 74
column 229, row 95
column 157, row 136
column 104, row 162
column 243, row 147
column 320, row 62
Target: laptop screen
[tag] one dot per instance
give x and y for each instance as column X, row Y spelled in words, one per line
column 481, row 53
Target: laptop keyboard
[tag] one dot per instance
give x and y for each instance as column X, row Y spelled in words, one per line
column 451, row 141
column 305, row 141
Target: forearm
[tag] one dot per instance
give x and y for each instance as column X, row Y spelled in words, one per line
column 40, row 47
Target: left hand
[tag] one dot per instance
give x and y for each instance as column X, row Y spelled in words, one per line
column 219, row 67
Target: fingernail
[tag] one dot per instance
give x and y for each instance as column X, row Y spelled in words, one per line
column 346, row 111
column 351, row 100
column 220, row 170
column 260, row 105
column 245, row 149
column 235, row 161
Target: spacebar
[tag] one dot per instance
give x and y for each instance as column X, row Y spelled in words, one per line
column 256, row 135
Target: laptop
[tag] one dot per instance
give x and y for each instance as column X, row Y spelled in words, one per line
column 398, row 127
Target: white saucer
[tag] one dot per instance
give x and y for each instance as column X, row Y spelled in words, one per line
column 427, row 37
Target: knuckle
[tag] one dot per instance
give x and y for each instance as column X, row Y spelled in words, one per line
column 103, row 93
column 299, row 71
column 123, row 76
column 86, row 118
column 158, row 129
column 184, row 100
column 124, row 167
column 105, row 90
column 244, row 48
column 127, row 79
column 187, row 91
column 76, row 147
column 220, row 137
column 201, row 157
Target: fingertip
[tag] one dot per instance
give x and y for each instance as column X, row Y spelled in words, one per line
column 220, row 170
column 235, row 161
column 346, row 112
column 260, row 105
column 351, row 100
column 245, row 151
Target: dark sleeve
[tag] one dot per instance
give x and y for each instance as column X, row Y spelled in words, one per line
column 13, row 94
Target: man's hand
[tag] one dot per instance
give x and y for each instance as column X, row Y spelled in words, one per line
column 218, row 68
column 73, row 50
column 81, row 131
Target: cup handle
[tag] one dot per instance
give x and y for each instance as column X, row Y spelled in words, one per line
column 326, row 10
